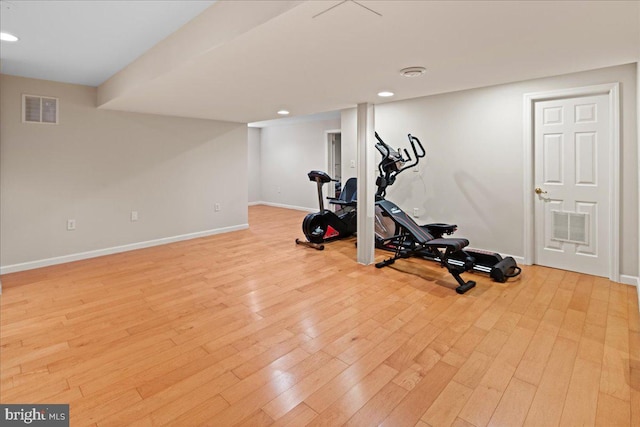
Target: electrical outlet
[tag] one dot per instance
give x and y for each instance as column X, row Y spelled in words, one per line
column 71, row 224
column 416, row 212
column 353, row 163
column 134, row 216
column 216, row 207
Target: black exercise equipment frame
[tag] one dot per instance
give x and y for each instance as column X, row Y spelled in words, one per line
column 412, row 240
column 326, row 225
column 405, row 244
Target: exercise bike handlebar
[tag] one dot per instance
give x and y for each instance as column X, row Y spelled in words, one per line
column 320, row 176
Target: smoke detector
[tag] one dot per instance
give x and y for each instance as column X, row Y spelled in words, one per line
column 413, row 71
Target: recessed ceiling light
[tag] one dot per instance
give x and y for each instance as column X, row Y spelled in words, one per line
column 385, row 94
column 283, row 112
column 6, row 37
column 413, row 71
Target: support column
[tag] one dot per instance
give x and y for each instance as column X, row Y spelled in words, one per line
column 638, row 149
column 366, row 181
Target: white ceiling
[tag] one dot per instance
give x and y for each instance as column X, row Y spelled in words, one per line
column 244, row 60
column 85, row 42
column 328, row 115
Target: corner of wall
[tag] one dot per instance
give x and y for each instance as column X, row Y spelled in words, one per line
column 638, row 142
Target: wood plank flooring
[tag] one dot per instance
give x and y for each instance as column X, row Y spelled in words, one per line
column 247, row 328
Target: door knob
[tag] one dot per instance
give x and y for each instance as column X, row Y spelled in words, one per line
column 539, row 190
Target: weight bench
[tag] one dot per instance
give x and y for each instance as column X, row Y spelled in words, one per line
column 420, row 240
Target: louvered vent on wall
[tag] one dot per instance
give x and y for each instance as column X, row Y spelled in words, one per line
column 570, row 227
column 39, row 109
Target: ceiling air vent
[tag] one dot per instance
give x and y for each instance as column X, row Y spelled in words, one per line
column 39, row 109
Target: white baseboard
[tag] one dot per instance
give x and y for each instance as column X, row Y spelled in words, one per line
column 116, row 249
column 280, row 205
column 630, row 280
column 633, row 281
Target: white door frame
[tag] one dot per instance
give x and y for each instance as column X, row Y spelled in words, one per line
column 327, row 157
column 327, row 142
column 613, row 91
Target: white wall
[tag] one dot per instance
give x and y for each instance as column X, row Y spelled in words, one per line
column 97, row 166
column 254, row 166
column 288, row 153
column 473, row 172
column 349, row 143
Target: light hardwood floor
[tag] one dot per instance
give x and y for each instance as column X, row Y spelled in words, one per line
column 248, row 328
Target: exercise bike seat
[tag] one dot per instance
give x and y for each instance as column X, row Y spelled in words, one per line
column 348, row 195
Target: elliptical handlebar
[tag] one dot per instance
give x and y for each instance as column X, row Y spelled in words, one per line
column 393, row 162
column 418, row 154
column 384, row 150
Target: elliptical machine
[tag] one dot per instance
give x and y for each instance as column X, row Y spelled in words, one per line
column 391, row 165
column 325, row 225
column 391, row 225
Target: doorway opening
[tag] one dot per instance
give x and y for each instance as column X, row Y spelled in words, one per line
column 334, row 161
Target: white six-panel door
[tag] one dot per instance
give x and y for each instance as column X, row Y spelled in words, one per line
column 571, row 146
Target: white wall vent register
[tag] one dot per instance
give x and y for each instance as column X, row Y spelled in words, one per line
column 39, row 109
column 570, row 227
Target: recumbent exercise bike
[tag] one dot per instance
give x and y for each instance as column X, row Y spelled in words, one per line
column 325, row 225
